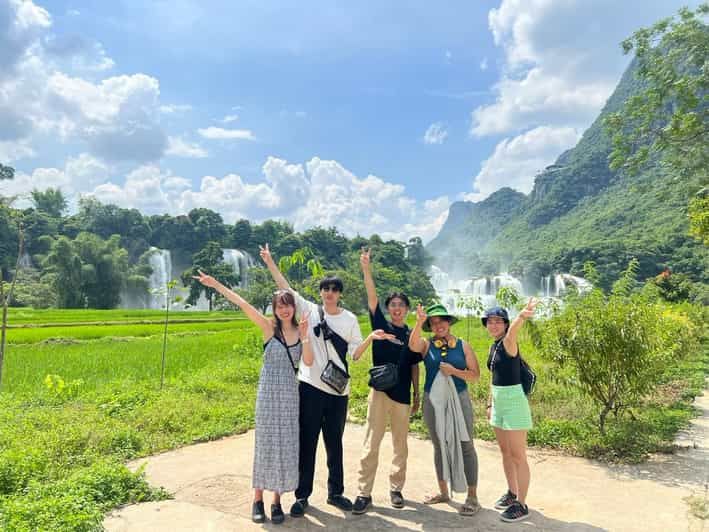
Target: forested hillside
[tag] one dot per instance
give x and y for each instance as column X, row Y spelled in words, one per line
column 580, row 210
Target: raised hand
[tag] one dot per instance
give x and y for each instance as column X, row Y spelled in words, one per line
column 528, row 311
column 206, row 280
column 379, row 334
column 303, row 326
column 421, row 315
column 265, row 253
column 364, row 259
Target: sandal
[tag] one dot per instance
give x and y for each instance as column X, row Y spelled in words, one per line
column 471, row 506
column 436, row 499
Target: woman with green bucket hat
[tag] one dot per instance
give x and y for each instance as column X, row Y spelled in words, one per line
column 453, row 358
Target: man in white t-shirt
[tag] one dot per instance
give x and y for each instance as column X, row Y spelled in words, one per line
column 322, row 408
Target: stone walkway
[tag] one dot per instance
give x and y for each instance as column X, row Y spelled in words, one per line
column 211, row 483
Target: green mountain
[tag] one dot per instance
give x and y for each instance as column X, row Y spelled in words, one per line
column 578, row 210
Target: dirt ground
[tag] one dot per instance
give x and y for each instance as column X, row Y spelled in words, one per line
column 211, row 483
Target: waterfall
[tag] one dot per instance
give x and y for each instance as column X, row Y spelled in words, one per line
column 240, row 261
column 25, row 260
column 450, row 291
column 161, row 262
column 582, row 285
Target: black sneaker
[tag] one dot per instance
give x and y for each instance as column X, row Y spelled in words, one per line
column 505, row 501
column 298, row 508
column 516, row 512
column 277, row 516
column 258, row 514
column 361, row 504
column 397, row 499
column 341, row 502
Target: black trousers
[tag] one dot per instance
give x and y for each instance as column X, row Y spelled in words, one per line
column 320, row 411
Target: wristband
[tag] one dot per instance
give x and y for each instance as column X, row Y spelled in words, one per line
column 305, row 341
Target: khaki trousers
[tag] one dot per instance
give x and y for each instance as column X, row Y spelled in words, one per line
column 380, row 410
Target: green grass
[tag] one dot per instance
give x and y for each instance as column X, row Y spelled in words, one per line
column 20, row 316
column 64, row 334
column 63, row 445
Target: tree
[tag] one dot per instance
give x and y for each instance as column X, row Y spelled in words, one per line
column 699, row 216
column 87, row 271
column 329, row 245
column 300, row 265
column 64, row 263
column 104, row 269
column 51, row 201
column 417, row 255
column 210, row 259
column 208, row 225
column 668, row 119
column 6, row 172
column 259, row 291
column 5, row 297
column 241, row 234
column 614, row 347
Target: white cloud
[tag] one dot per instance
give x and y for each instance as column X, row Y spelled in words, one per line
column 218, row 133
column 116, row 118
column 170, row 109
column 319, row 192
column 15, row 150
column 79, row 174
column 435, row 134
column 146, row 188
column 77, row 53
column 563, row 60
column 483, row 64
column 229, row 118
column 365, row 206
column 179, row 147
column 21, row 24
column 516, row 161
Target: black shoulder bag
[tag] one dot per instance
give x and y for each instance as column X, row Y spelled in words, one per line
column 386, row 376
column 333, row 375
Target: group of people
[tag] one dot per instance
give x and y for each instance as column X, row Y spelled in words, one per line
column 304, row 387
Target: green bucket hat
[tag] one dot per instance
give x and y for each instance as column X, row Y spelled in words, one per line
column 437, row 311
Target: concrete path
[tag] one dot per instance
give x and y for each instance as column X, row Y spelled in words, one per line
column 211, row 483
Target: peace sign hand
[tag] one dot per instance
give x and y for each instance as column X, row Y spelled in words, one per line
column 528, row 311
column 206, row 280
column 303, row 326
column 364, row 258
column 421, row 315
column 265, row 253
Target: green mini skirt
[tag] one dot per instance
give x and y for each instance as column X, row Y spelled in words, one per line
column 510, row 408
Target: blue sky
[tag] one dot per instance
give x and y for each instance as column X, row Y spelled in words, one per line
column 369, row 116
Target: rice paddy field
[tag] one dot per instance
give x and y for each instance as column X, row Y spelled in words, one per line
column 81, row 395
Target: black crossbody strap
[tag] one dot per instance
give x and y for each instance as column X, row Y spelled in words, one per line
column 333, row 334
column 290, row 358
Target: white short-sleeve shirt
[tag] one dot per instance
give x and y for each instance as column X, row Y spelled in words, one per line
column 345, row 324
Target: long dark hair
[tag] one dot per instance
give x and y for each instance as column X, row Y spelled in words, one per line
column 284, row 297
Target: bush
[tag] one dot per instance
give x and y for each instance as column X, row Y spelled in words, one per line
column 616, row 346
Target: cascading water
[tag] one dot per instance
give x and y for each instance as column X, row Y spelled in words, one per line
column 240, row 261
column 25, row 260
column 164, row 269
column 161, row 263
column 456, row 293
